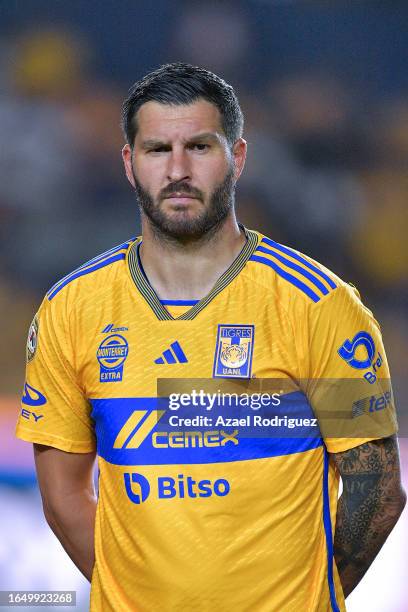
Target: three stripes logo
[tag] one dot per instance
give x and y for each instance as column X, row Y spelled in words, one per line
column 174, row 354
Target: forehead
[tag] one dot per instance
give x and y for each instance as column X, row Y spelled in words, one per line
column 164, row 121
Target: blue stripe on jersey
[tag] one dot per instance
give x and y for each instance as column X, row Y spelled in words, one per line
column 328, row 532
column 169, row 357
column 289, row 277
column 141, row 422
column 298, row 257
column 294, row 266
column 95, row 260
column 178, row 351
column 80, row 272
column 112, row 414
column 111, row 251
column 179, row 302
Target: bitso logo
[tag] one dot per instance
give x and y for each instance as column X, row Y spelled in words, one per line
column 167, row 487
column 111, row 355
column 359, row 353
column 233, row 351
column 142, row 484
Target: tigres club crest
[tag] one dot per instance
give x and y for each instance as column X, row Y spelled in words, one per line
column 32, row 340
column 233, row 351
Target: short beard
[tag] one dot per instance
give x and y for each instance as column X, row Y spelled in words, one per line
column 204, row 226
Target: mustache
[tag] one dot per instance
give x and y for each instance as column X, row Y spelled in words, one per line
column 179, row 186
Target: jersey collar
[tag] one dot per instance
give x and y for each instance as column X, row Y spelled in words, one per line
column 148, row 293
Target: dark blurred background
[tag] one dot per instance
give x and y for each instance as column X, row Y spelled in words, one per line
column 323, row 86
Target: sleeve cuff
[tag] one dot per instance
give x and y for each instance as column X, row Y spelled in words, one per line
column 339, row 445
column 69, row 446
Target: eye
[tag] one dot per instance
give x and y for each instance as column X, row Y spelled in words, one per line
column 158, row 150
column 200, row 146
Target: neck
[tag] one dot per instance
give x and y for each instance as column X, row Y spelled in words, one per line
column 188, row 270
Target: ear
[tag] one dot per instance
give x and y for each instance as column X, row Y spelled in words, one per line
column 239, row 151
column 127, row 160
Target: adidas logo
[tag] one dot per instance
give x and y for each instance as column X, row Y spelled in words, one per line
column 174, row 354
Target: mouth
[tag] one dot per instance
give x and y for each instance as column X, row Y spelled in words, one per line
column 180, row 196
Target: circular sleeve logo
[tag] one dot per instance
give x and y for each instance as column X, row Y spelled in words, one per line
column 32, row 339
column 111, row 355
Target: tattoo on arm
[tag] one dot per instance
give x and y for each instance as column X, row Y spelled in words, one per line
column 371, row 502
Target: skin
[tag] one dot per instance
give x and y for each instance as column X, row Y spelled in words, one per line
column 189, row 147
column 369, row 507
column 185, row 145
column 69, row 501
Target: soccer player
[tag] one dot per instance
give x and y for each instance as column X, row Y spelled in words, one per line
column 209, row 518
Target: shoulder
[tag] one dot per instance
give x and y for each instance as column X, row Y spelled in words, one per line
column 294, row 275
column 91, row 276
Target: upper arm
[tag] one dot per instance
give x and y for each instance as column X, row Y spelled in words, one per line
column 349, row 385
column 62, row 475
column 373, row 457
column 372, row 471
column 55, row 410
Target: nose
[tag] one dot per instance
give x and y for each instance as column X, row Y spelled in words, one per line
column 178, row 166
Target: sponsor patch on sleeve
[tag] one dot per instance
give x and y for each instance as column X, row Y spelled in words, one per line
column 32, row 340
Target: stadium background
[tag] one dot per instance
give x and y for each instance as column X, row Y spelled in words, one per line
column 323, row 86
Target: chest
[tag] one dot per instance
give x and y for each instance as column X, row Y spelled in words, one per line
column 123, row 350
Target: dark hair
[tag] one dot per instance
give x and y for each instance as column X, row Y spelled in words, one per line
column 180, row 83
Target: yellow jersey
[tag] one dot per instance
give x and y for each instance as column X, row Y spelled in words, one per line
column 208, row 514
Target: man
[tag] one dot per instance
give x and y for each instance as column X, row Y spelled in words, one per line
column 211, row 519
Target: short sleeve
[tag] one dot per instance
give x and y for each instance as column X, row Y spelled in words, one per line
column 349, row 385
column 54, row 410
